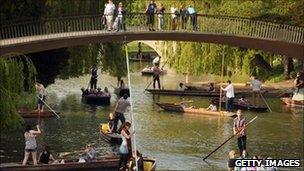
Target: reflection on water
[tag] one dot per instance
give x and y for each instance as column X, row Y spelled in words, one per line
column 176, row 141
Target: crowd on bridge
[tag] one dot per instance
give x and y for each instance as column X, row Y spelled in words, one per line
column 114, row 18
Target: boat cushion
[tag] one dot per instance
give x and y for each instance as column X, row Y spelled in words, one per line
column 147, row 165
column 105, row 128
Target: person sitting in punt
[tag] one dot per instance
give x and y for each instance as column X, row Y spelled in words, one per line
column 46, row 156
column 90, row 154
column 212, row 107
column 99, row 92
column 111, row 122
column 211, row 87
column 231, row 161
column 183, row 103
column 243, row 101
column 181, row 87
column 106, row 92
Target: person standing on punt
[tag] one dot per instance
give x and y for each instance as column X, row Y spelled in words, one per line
column 256, row 89
column 94, row 77
column 125, row 147
column 41, row 97
column 229, row 96
column 30, row 144
column 120, row 109
column 156, row 73
column 239, row 126
column 299, row 87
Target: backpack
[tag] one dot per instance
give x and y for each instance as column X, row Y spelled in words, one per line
column 151, row 9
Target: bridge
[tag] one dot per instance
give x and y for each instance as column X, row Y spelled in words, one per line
column 52, row 33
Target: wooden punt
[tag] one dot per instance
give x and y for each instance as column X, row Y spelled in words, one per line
column 96, row 99
column 141, row 59
column 112, row 138
column 146, row 71
column 103, row 163
column 184, row 92
column 293, row 103
column 27, row 113
column 248, row 107
column 201, row 111
column 120, row 92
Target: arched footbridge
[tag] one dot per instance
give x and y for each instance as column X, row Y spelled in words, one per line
column 29, row 36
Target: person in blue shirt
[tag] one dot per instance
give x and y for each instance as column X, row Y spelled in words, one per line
column 151, row 9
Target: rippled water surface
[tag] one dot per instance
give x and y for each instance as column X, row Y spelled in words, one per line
column 176, row 141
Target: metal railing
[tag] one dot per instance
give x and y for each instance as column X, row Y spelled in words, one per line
column 16, row 32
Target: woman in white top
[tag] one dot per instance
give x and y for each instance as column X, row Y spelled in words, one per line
column 229, row 96
column 30, row 144
column 125, row 147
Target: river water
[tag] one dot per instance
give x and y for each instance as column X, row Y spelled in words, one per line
column 176, row 141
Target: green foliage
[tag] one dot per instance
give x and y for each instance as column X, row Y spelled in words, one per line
column 12, row 78
column 114, row 60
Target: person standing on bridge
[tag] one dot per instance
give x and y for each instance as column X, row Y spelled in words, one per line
column 109, row 13
column 193, row 17
column 229, row 96
column 94, row 77
column 184, row 16
column 160, row 13
column 151, row 8
column 121, row 12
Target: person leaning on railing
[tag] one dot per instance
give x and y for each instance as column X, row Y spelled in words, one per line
column 184, row 16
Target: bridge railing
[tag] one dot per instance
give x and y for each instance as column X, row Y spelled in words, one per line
column 136, row 22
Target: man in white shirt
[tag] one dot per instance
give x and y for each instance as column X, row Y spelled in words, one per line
column 229, row 96
column 256, row 89
column 109, row 13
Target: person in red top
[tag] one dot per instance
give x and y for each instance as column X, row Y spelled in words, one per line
column 239, row 126
column 156, row 73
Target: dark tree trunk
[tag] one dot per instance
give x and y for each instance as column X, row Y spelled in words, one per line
column 288, row 67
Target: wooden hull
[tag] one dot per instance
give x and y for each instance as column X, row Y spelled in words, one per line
column 26, row 113
column 120, row 92
column 201, row 111
column 185, row 92
column 104, row 163
column 163, row 72
column 140, row 60
column 99, row 100
column 249, row 108
column 294, row 103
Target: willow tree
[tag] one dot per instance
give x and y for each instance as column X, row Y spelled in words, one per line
column 14, row 74
column 113, row 60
